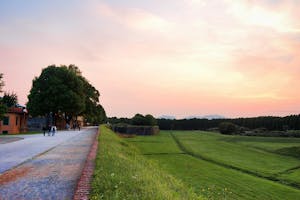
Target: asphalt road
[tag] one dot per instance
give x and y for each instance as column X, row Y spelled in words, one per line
column 44, row 167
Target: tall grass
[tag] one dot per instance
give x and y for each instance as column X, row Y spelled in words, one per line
column 122, row 173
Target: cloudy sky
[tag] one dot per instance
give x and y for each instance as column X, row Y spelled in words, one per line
column 171, row 57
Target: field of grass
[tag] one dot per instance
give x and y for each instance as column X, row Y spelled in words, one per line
column 218, row 148
column 226, row 167
column 123, row 173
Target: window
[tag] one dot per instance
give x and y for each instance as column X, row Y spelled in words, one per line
column 6, row 121
column 17, row 121
column 4, row 132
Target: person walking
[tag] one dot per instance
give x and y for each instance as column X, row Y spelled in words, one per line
column 49, row 129
column 44, row 130
column 53, row 130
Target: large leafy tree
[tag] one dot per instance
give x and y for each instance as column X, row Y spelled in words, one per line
column 57, row 90
column 64, row 91
column 94, row 113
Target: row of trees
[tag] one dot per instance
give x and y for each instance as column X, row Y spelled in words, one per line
column 63, row 91
column 138, row 119
column 270, row 123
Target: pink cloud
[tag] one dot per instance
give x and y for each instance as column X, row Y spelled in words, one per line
column 135, row 18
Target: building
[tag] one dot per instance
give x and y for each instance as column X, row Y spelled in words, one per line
column 14, row 121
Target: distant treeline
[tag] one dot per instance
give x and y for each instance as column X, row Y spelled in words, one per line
column 271, row 123
column 291, row 122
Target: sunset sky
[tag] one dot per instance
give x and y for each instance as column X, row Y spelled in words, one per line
column 171, row 57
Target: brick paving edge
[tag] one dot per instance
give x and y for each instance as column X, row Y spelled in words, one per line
column 83, row 187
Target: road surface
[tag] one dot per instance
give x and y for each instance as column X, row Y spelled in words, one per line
column 44, row 167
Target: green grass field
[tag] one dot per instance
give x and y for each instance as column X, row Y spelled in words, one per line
column 227, row 167
column 121, row 172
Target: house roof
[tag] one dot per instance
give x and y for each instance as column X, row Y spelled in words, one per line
column 17, row 110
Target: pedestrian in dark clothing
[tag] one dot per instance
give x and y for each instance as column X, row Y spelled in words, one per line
column 53, row 130
column 44, row 130
column 49, row 130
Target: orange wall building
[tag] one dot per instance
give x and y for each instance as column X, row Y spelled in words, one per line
column 14, row 121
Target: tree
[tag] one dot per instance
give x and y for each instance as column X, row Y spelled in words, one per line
column 94, row 113
column 10, row 100
column 139, row 120
column 64, row 91
column 151, row 120
column 147, row 120
column 58, row 91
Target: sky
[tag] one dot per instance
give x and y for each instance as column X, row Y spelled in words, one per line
column 171, row 57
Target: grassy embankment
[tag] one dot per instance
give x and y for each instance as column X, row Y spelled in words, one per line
column 123, row 173
column 226, row 167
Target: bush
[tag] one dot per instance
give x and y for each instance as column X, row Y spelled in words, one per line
column 227, row 128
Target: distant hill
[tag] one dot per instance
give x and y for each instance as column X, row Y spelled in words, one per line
column 167, row 117
column 205, row 117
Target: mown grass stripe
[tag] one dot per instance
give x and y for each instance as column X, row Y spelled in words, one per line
column 198, row 156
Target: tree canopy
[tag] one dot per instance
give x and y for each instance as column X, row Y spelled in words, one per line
column 10, row 99
column 62, row 91
column 147, row 120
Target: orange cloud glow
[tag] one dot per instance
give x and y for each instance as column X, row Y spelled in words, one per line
column 181, row 58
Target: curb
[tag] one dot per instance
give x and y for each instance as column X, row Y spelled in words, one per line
column 83, row 187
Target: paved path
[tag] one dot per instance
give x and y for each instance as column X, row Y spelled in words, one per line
column 49, row 175
column 15, row 153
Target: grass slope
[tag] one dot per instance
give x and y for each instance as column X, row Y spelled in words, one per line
column 208, row 179
column 212, row 146
column 122, row 173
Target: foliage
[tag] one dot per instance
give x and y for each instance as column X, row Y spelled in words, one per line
column 216, row 181
column 227, row 128
column 64, row 91
column 122, row 173
column 94, row 113
column 10, row 100
column 138, row 119
column 291, row 122
column 56, row 90
column 3, row 110
column 151, row 120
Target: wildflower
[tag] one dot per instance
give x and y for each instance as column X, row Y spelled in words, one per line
column 112, row 174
